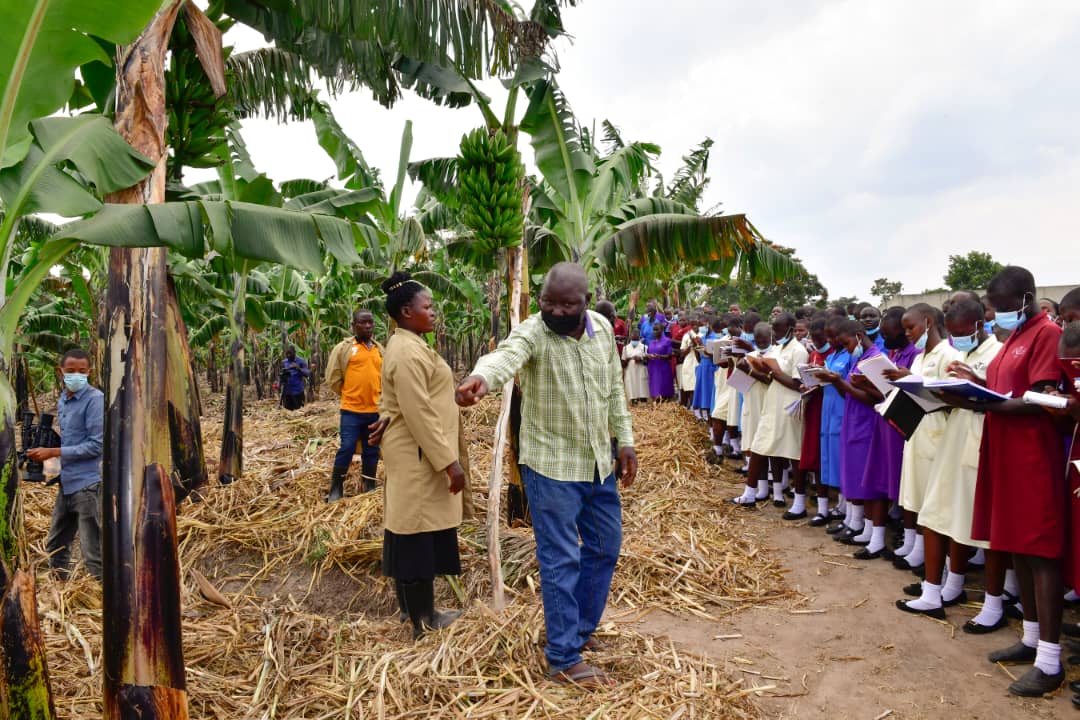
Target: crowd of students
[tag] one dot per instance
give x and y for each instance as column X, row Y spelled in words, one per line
column 978, row 479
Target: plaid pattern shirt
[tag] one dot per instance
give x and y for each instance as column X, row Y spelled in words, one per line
column 573, row 399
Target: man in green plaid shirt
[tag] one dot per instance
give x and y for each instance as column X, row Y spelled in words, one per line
column 573, row 402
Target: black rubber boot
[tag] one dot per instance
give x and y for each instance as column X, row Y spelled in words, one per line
column 419, row 598
column 337, row 484
column 403, row 613
column 368, row 473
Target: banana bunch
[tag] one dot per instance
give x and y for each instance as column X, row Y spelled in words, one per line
column 490, row 174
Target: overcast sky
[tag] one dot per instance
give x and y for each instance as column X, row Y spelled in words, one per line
column 876, row 138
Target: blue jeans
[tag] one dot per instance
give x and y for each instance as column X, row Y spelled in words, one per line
column 574, row 578
column 354, row 430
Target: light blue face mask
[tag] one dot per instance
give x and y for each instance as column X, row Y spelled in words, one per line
column 784, row 340
column 988, row 327
column 921, row 342
column 748, row 337
column 857, row 352
column 874, row 330
column 1010, row 320
column 75, row 381
column 1014, row 319
column 824, row 348
column 965, row 343
column 703, row 330
column 635, row 343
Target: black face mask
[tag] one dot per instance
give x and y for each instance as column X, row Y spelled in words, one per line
column 897, row 343
column 561, row 324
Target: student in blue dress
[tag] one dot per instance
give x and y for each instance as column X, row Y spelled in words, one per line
column 704, row 380
column 832, row 417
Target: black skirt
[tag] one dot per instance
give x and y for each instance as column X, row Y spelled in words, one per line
column 293, row 402
column 421, row 556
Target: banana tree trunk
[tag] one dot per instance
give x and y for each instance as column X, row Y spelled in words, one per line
column 142, row 643
column 24, row 681
column 185, row 405
column 257, row 372
column 231, row 464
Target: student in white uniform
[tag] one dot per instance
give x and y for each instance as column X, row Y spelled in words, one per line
column 636, row 377
column 757, row 483
column 925, row 328
column 779, row 434
column 688, row 368
column 947, row 507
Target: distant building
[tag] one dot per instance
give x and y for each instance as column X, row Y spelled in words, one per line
column 1053, row 292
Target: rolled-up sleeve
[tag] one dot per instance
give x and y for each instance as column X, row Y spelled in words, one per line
column 91, row 446
column 500, row 365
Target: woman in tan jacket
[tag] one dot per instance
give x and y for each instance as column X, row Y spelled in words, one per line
column 424, row 477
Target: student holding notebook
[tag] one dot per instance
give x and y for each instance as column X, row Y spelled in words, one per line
column 757, row 483
column 810, row 454
column 1019, row 493
column 838, row 362
column 947, row 507
column 779, row 434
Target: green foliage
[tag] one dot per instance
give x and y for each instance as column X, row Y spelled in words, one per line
column 41, row 44
column 972, row 271
column 885, row 289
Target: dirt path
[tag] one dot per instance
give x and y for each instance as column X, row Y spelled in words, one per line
column 860, row 657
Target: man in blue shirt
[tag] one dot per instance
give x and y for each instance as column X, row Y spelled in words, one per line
column 78, row 504
column 294, row 371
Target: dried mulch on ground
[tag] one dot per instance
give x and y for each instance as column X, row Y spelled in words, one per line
column 287, row 616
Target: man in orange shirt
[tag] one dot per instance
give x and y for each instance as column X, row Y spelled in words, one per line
column 354, row 372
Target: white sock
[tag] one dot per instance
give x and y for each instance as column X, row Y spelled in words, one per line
column 1048, row 657
column 712, row 434
column 725, row 438
column 930, row 598
column 747, row 496
column 762, row 489
column 823, row 506
column 786, row 478
column 736, row 444
column 718, row 450
column 778, row 491
column 1071, row 596
column 746, row 466
column 800, row 503
column 1019, row 607
column 909, row 542
column 916, row 557
column 954, row 585
column 1031, row 633
column 857, row 514
column 979, row 558
column 841, row 503
column 991, row 611
column 1012, row 585
column 866, row 534
column 877, row 539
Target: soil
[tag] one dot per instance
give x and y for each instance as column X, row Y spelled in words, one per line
column 842, row 650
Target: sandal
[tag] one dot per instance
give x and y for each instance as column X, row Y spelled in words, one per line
column 582, row 674
column 594, row 645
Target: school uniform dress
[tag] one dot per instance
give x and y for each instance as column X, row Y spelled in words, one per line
column 924, row 444
column 950, row 492
column 810, row 455
column 751, row 409
column 1072, row 569
column 1020, row 495
column 636, row 375
column 704, row 378
column 720, row 394
column 661, row 379
column 780, row 434
column 832, row 417
column 420, row 515
column 856, row 434
column 882, row 480
column 677, row 332
column 688, row 370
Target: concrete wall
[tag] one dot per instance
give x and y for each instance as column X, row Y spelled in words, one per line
column 1054, row 292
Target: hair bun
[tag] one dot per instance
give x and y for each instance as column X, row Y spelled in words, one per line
column 395, row 281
